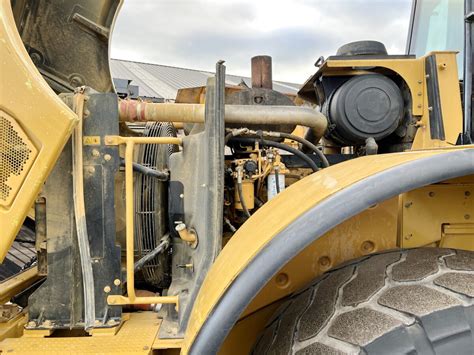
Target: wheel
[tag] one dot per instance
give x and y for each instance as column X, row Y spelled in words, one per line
column 417, row 301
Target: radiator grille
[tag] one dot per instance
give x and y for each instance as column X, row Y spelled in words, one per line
column 16, row 155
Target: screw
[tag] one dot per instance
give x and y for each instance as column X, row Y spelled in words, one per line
column 95, row 153
column 117, row 282
column 107, row 289
column 431, row 194
column 467, row 216
column 107, row 157
column 467, row 193
column 181, row 196
column 91, row 170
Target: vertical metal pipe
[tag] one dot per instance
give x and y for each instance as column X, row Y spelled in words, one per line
column 129, row 215
column 40, row 232
column 468, row 118
column 262, row 72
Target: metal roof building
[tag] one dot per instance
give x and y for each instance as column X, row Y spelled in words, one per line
column 162, row 82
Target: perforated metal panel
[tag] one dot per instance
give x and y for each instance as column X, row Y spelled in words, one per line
column 17, row 153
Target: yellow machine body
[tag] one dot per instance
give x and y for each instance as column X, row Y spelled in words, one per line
column 441, row 214
column 34, row 123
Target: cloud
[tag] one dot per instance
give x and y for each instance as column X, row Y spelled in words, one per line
column 197, row 33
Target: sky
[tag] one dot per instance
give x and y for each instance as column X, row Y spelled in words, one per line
column 197, row 33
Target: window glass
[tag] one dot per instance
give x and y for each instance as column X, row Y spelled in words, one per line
column 438, row 25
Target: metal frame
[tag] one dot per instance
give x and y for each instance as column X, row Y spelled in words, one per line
column 131, row 297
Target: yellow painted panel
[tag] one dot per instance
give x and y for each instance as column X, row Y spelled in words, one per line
column 136, row 336
column 425, row 211
column 44, row 119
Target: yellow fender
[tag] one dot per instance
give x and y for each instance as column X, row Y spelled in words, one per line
column 33, row 117
column 297, row 217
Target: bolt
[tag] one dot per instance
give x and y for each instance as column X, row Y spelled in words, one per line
column 107, row 157
column 467, row 193
column 91, row 170
column 419, row 93
column 95, row 153
column 117, row 282
column 419, row 106
column 185, row 266
column 467, row 216
column 431, row 194
column 181, row 196
column 36, row 58
column 107, row 289
column 368, row 246
column 420, row 82
column 282, row 279
column 325, row 261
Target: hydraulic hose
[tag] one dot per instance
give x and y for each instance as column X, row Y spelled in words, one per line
column 160, row 175
column 241, row 198
column 287, row 148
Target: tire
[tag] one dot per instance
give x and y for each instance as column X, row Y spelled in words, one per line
column 417, row 301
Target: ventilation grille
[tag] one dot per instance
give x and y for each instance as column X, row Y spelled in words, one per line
column 16, row 156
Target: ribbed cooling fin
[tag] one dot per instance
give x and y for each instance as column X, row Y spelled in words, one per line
column 151, row 203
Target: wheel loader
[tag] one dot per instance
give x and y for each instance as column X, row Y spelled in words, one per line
column 236, row 219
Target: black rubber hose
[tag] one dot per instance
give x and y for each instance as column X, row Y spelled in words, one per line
column 281, row 146
column 308, row 144
column 165, row 242
column 241, row 198
column 160, row 175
